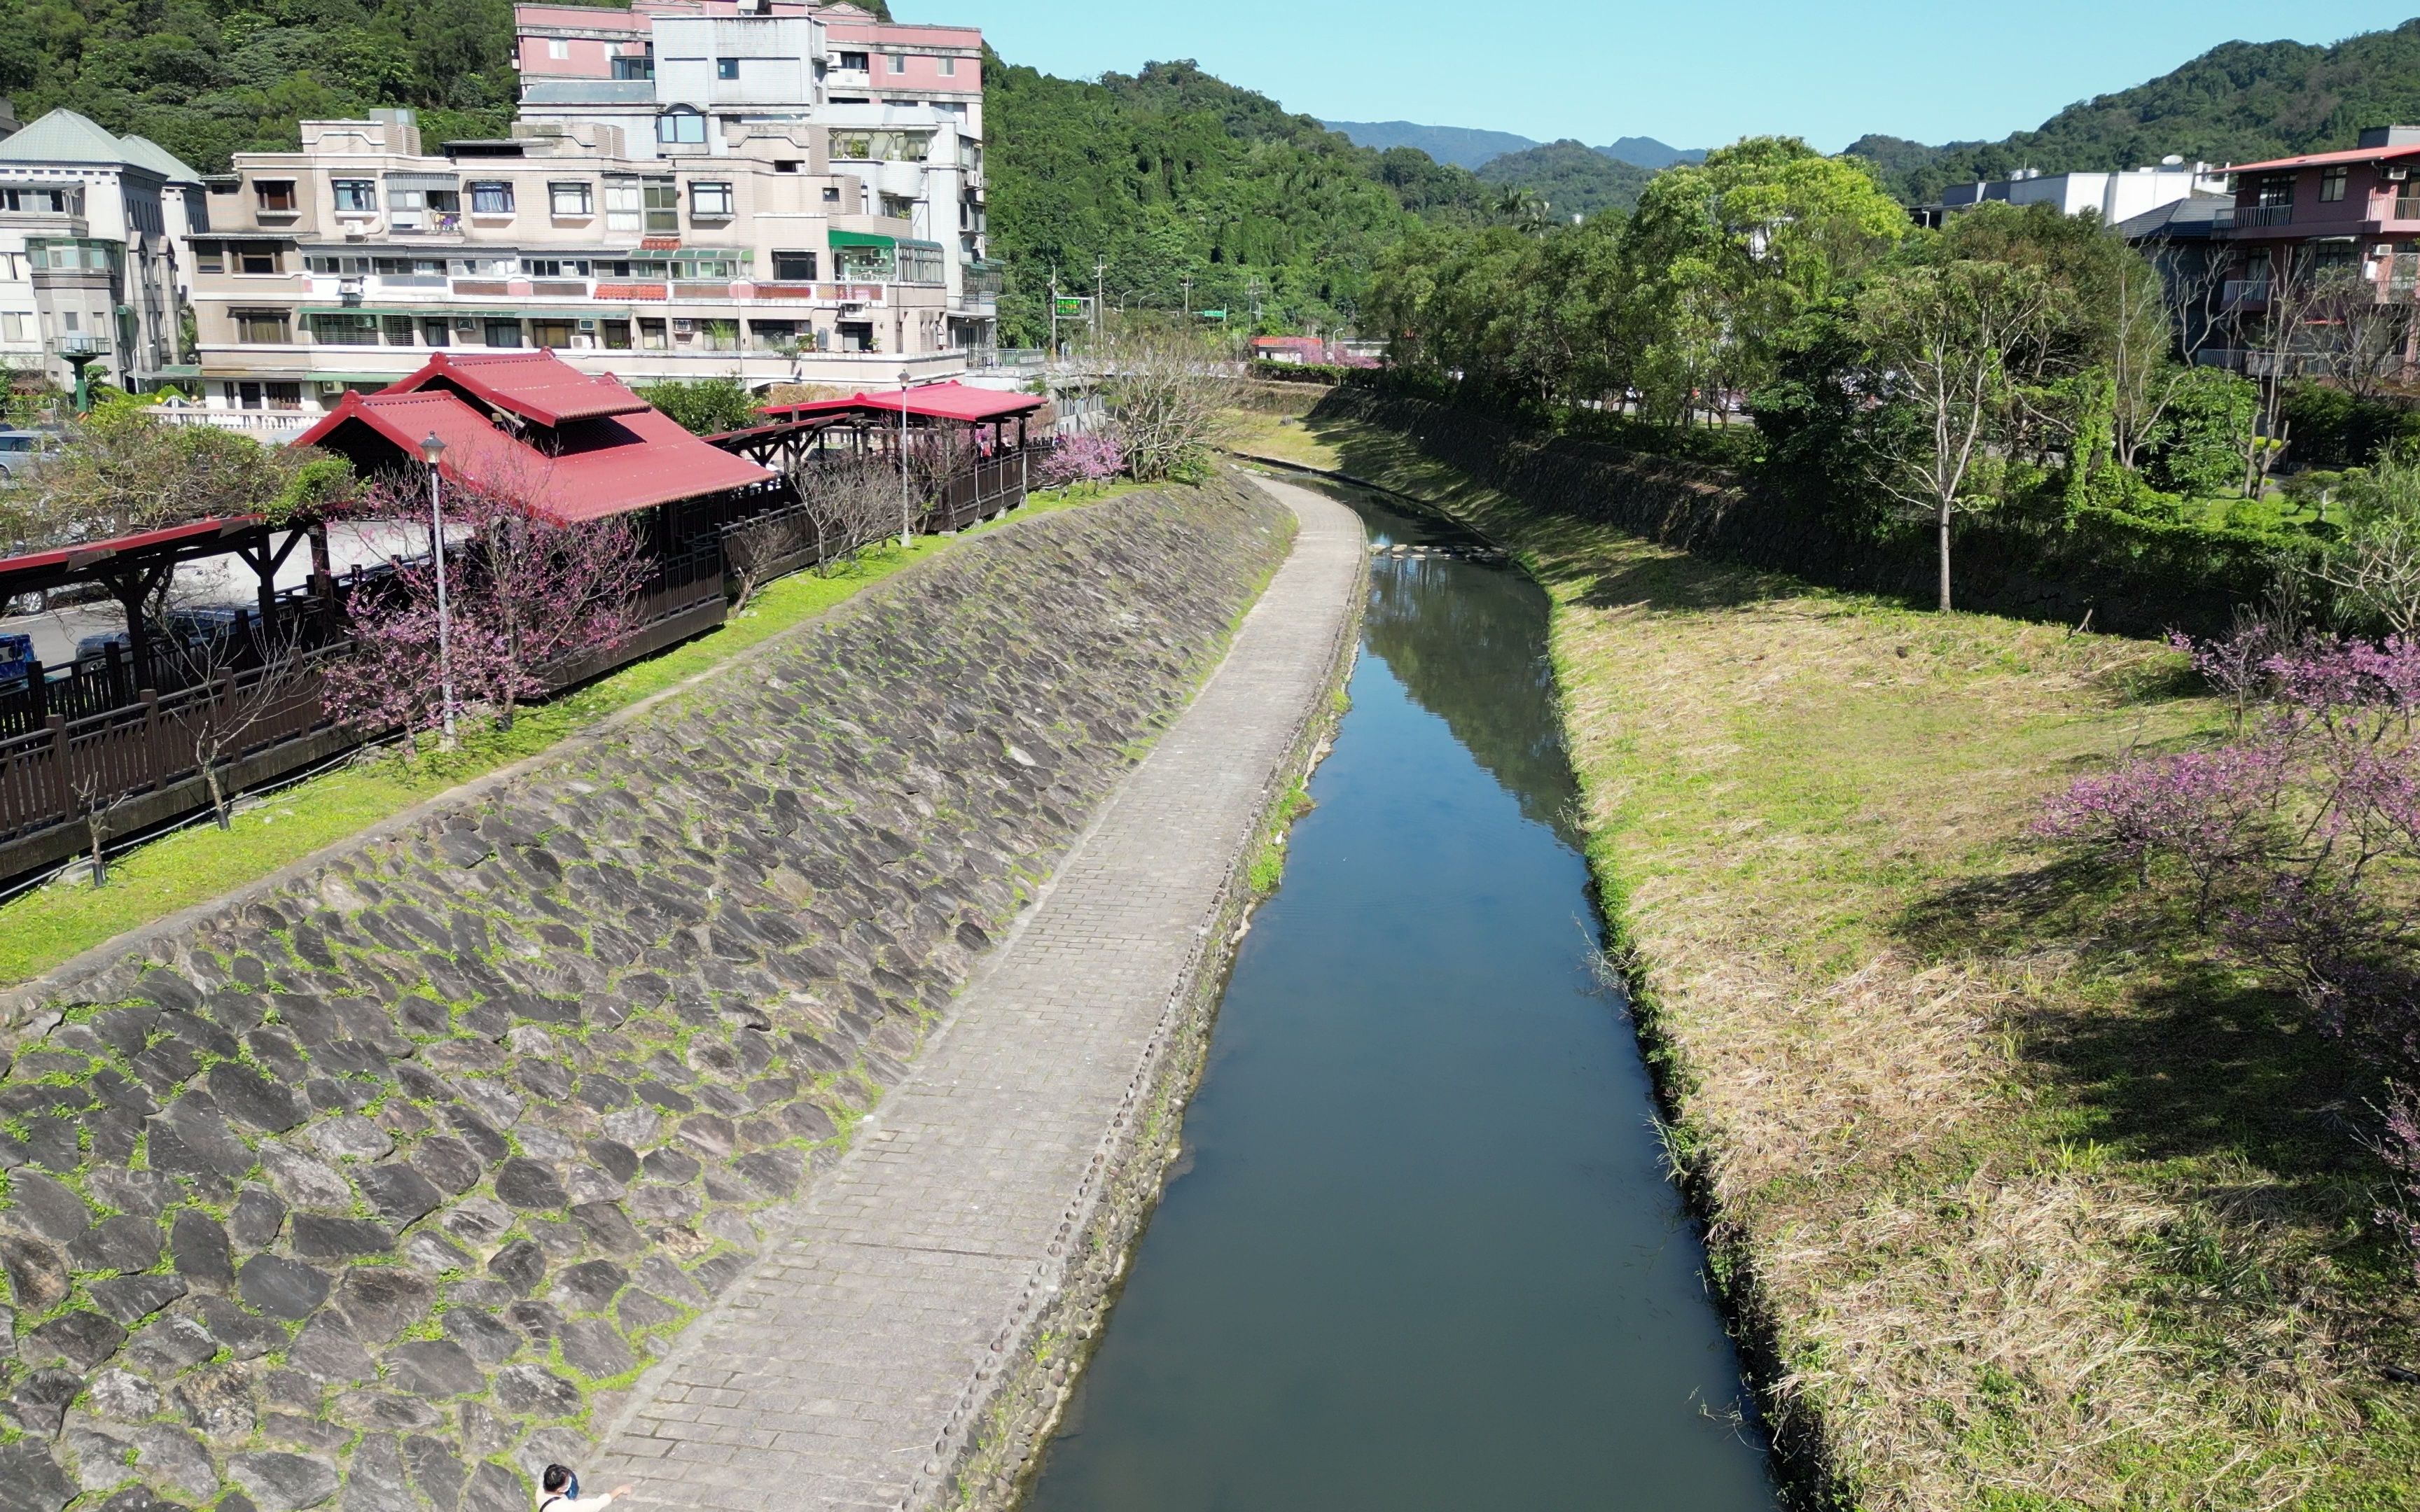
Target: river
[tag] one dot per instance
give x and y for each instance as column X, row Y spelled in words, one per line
column 1420, row 1251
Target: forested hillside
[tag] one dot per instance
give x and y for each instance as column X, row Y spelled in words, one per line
column 1171, row 174
column 208, row 78
column 1570, row 178
column 2239, row 103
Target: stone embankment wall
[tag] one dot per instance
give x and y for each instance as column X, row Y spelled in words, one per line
column 379, row 1185
column 2138, row 583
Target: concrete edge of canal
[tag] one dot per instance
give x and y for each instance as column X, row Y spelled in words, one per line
column 1016, row 1410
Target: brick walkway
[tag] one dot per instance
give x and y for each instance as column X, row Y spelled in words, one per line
column 837, row 1368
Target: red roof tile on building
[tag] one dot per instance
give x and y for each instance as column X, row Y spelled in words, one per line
column 934, row 401
column 589, row 470
column 534, row 385
column 2317, row 159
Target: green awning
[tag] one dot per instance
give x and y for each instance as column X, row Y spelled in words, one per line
column 861, row 239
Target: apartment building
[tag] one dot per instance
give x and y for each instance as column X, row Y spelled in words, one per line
column 91, row 224
column 2319, row 220
column 683, row 196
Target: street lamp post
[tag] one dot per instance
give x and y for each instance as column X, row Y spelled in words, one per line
column 432, row 450
column 904, row 377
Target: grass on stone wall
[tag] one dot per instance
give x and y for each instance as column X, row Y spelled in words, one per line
column 2034, row 1200
column 53, row 923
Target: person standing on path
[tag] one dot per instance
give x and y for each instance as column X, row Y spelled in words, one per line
column 559, row 1492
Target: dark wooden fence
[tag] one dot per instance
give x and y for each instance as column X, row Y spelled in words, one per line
column 105, row 737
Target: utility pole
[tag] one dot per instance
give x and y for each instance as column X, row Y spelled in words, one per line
column 1189, row 296
column 1100, row 284
column 1052, row 355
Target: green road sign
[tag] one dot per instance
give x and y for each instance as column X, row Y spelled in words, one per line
column 1213, row 315
column 1064, row 306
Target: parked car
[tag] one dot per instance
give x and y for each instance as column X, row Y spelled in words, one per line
column 16, row 658
column 21, row 449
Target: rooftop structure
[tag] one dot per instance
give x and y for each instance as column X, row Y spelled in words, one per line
column 573, row 446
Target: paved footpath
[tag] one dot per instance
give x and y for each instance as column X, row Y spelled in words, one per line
column 833, row 1371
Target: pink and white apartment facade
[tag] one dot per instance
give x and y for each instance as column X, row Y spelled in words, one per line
column 767, row 189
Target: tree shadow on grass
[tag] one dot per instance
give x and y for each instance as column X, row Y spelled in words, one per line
column 2164, row 1051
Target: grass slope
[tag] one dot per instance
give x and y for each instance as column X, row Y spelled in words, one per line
column 2027, row 1200
column 52, row 925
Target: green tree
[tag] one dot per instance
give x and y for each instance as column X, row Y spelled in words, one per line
column 1944, row 334
column 704, row 407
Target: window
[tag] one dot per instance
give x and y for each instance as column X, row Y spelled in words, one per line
column 16, row 326
column 570, row 199
column 2331, row 184
column 727, row 68
column 663, row 204
column 71, row 318
column 788, row 165
column 622, row 204
column 898, row 62
column 208, row 258
column 355, row 195
column 857, row 62
column 793, row 266
column 275, row 195
column 774, row 335
column 491, row 198
column 831, row 194
column 856, row 336
column 486, row 267
column 558, row 49
column 680, row 125
column 641, row 67
column 615, row 334
column 2273, row 190
column 260, row 259
column 396, row 330
column 719, row 335
column 556, row 266
column 651, row 335
column 285, row 395
column 247, row 396
column 949, row 68
column 435, row 332
column 555, row 336
column 504, row 332
column 709, row 201
column 346, row 330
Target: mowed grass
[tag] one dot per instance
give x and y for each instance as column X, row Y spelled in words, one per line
column 2025, row 1199
column 43, row 928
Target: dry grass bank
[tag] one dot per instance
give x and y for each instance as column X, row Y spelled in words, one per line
column 2033, row 1203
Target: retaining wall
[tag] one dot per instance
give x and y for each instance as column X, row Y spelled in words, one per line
column 380, row 1183
column 2129, row 576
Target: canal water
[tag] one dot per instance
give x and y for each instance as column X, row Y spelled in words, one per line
column 1421, row 1253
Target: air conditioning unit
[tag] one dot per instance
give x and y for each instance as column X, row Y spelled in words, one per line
column 2398, row 175
column 2385, row 248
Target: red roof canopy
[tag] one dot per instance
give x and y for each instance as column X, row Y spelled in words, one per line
column 2315, row 159
column 934, row 401
column 615, row 455
column 66, row 560
column 534, row 385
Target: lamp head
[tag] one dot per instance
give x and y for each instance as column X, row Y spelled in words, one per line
column 432, row 450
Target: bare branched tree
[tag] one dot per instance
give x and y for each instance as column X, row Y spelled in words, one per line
column 2283, row 349
column 848, row 501
column 1169, row 392
column 96, row 799
column 236, row 679
column 2363, row 353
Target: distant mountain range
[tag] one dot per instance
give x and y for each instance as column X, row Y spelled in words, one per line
column 1467, row 147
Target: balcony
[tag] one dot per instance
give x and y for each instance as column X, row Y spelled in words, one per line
column 2244, row 294
column 2250, row 217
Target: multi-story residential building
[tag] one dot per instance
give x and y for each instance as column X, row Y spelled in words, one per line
column 91, row 227
column 2115, row 196
column 683, row 196
column 2324, row 220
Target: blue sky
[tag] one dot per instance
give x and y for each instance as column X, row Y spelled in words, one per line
column 1693, row 75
